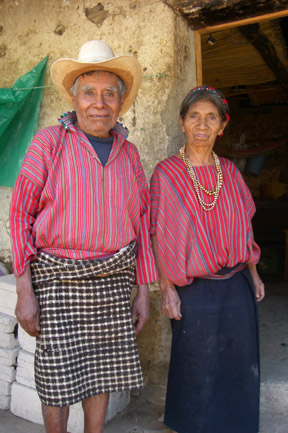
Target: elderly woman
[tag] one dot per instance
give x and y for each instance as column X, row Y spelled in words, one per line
column 80, row 240
column 201, row 211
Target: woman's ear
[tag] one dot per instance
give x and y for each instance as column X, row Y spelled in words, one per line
column 181, row 124
column 224, row 124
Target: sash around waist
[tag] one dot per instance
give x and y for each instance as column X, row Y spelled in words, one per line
column 68, row 269
column 225, row 273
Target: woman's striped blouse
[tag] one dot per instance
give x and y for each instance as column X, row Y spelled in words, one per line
column 67, row 204
column 193, row 242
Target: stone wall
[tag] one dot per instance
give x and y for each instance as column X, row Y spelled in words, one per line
column 148, row 29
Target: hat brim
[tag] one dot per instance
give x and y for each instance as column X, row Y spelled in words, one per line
column 65, row 71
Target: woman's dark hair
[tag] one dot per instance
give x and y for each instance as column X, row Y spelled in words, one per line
column 205, row 93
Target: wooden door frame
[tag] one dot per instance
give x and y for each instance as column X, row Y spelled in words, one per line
column 230, row 25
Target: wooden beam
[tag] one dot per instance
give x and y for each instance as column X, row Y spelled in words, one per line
column 198, row 55
column 230, row 25
column 198, row 34
column 267, row 51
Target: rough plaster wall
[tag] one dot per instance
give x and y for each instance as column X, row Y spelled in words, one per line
column 184, row 79
column 144, row 28
column 163, row 44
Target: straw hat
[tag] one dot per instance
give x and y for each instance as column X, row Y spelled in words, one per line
column 97, row 56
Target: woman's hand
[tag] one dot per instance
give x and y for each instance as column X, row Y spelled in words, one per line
column 257, row 282
column 259, row 287
column 171, row 304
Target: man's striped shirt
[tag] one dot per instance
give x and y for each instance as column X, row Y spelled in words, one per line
column 66, row 203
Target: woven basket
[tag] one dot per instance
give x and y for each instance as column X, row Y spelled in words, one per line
column 273, row 190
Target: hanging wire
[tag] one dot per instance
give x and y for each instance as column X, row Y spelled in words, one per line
column 29, row 88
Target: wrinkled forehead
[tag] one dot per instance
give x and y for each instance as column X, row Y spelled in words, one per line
column 107, row 75
column 203, row 103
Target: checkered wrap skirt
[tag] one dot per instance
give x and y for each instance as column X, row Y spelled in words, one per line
column 87, row 343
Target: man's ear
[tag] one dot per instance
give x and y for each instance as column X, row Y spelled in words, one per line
column 122, row 100
column 73, row 101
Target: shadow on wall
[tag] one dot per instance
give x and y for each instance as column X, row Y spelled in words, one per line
column 3, row 269
column 170, row 118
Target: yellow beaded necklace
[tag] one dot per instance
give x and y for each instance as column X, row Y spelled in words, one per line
column 197, row 184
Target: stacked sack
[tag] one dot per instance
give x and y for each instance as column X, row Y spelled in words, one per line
column 9, row 347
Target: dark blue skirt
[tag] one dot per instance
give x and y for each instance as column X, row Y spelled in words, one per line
column 214, row 381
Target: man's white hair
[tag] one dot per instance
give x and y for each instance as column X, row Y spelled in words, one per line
column 121, row 85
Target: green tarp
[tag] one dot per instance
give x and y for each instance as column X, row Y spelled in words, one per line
column 19, row 113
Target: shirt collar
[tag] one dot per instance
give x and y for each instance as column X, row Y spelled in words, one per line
column 68, row 119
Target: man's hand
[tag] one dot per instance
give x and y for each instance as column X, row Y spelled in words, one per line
column 27, row 309
column 140, row 307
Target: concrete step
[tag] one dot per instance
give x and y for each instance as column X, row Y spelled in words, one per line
column 273, row 423
column 274, row 387
column 21, row 394
column 273, row 320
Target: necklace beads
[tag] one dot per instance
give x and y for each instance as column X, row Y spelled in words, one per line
column 197, row 185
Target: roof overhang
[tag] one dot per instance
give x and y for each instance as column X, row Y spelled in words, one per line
column 206, row 13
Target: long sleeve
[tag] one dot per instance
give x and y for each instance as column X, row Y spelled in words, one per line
column 23, row 208
column 146, row 271
column 250, row 209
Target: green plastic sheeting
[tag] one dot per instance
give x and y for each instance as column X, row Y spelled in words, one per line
column 19, row 113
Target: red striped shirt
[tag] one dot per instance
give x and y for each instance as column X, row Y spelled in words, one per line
column 193, row 242
column 67, row 204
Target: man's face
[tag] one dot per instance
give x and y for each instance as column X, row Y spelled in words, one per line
column 97, row 103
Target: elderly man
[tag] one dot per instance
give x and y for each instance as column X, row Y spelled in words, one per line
column 79, row 221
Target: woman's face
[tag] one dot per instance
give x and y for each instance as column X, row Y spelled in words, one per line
column 202, row 124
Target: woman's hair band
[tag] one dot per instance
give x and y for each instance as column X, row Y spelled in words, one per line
column 214, row 92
